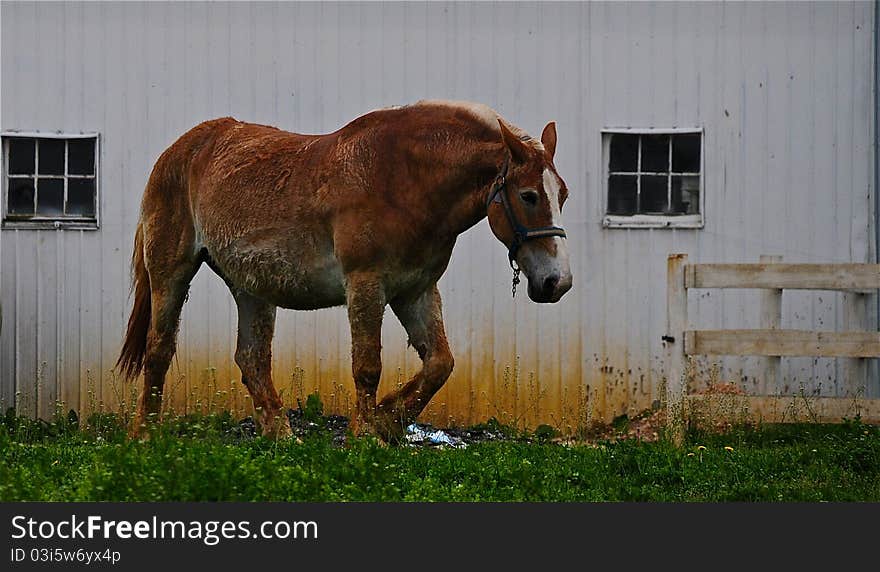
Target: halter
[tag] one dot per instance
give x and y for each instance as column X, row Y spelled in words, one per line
column 520, row 232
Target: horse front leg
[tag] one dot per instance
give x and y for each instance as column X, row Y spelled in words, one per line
column 253, row 354
column 422, row 316
column 365, row 299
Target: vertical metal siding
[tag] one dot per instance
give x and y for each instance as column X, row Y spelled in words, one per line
column 783, row 92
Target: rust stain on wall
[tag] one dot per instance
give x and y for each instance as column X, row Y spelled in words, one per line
column 514, row 393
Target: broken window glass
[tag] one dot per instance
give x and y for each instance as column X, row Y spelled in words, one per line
column 685, row 194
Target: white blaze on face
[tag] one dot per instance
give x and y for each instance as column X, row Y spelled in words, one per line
column 552, row 187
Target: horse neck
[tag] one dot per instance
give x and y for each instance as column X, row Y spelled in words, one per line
column 467, row 204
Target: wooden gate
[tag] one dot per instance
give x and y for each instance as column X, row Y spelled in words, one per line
column 771, row 275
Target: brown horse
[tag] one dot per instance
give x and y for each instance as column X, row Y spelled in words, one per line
column 365, row 216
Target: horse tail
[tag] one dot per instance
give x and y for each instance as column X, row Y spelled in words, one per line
column 134, row 347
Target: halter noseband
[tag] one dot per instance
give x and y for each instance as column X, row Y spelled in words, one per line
column 520, row 233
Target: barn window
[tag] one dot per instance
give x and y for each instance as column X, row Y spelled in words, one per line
column 653, row 178
column 50, row 181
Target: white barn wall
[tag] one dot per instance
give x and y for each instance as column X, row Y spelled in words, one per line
column 783, row 91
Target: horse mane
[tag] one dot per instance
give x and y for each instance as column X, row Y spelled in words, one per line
column 485, row 114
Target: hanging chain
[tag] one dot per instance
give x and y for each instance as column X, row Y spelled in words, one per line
column 515, row 281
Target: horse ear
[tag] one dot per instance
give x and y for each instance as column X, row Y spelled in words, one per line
column 548, row 139
column 518, row 149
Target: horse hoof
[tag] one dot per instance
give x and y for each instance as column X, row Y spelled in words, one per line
column 390, row 431
column 362, row 428
column 140, row 429
column 281, row 434
column 278, row 429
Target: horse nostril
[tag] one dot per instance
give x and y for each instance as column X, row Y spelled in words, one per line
column 550, row 283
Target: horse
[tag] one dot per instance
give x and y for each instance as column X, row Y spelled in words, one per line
column 366, row 216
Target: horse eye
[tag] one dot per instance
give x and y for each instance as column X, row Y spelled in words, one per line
column 530, row 197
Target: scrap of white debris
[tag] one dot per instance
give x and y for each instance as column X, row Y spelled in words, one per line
column 417, row 435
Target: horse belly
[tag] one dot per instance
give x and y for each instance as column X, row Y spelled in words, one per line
column 298, row 280
column 318, row 285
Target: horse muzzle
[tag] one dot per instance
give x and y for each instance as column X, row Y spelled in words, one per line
column 550, row 288
column 549, row 277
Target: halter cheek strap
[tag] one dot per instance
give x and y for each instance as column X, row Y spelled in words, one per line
column 520, row 233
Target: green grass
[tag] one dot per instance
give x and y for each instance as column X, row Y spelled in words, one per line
column 197, row 459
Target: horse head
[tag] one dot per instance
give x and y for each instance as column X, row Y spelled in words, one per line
column 524, row 213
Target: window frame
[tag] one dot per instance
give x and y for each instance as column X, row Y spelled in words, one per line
column 38, row 222
column 693, row 221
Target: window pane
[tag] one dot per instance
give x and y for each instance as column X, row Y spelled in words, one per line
column 81, row 197
column 81, row 159
column 21, row 196
column 655, row 153
column 51, row 156
column 653, row 196
column 21, row 156
column 686, row 153
column 622, row 194
column 686, row 194
column 624, row 153
column 50, row 197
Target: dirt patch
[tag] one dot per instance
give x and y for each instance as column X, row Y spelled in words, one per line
column 337, row 425
column 647, row 426
column 721, row 409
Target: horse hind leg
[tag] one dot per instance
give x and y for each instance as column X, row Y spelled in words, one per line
column 169, row 285
column 253, row 354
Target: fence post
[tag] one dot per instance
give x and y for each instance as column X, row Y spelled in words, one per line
column 855, row 319
column 676, row 324
column 771, row 319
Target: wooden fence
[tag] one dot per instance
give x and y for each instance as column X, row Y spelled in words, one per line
column 772, row 342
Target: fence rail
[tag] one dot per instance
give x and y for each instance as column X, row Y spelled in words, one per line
column 856, row 277
column 771, row 275
column 782, row 343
